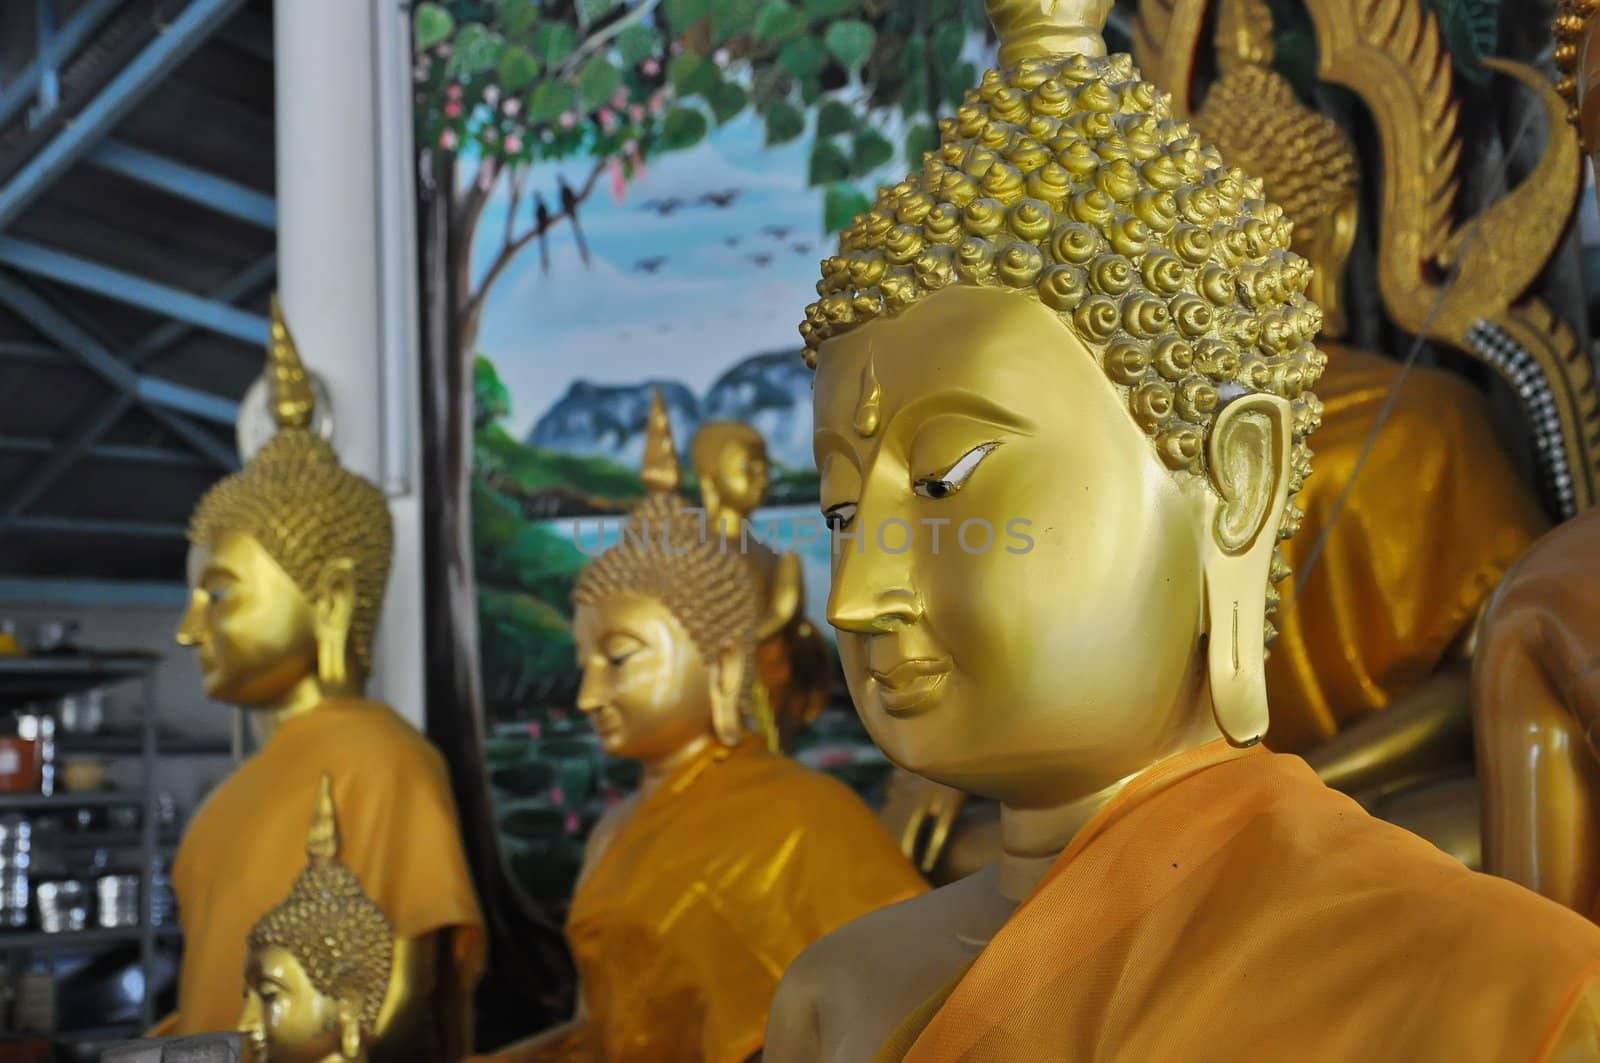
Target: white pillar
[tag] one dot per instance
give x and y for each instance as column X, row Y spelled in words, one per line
column 347, row 271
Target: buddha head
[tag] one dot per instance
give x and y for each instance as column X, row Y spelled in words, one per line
column 665, row 624
column 1061, row 404
column 1308, row 166
column 730, row 460
column 289, row 559
column 318, row 966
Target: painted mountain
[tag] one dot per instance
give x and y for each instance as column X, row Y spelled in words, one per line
column 587, row 447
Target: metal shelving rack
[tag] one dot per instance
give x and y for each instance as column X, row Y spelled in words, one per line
column 45, row 677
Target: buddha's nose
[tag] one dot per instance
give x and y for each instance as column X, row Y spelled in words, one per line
column 594, row 693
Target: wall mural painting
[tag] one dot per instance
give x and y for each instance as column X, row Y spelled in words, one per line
column 644, row 189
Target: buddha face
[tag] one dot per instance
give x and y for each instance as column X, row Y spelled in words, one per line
column 646, row 689
column 1018, row 581
column 734, row 459
column 286, row 1018
column 251, row 626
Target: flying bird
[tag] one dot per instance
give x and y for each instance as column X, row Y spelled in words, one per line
column 732, row 241
column 664, row 207
column 802, row 249
column 761, row 259
column 721, row 200
column 650, row 265
column 778, row 232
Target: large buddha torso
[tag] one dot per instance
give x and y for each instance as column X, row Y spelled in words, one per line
column 246, row 844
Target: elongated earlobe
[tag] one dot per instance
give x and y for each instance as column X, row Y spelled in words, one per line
column 1249, row 467
column 335, row 606
column 727, row 684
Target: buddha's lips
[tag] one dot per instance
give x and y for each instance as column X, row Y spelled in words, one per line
column 906, row 673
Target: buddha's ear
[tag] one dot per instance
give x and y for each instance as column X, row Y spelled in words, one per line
column 727, row 683
column 1248, row 458
column 334, row 604
column 349, row 1030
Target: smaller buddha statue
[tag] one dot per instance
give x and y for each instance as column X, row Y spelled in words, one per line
column 793, row 664
column 697, row 891
column 317, row 972
column 1077, row 322
column 289, row 561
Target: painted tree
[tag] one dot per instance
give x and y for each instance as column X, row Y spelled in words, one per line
column 507, row 85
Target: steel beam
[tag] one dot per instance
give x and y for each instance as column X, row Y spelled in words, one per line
column 89, row 276
column 245, row 282
column 92, row 593
column 131, row 452
column 186, row 182
column 197, row 22
column 142, row 529
column 28, row 352
column 45, row 475
column 63, row 47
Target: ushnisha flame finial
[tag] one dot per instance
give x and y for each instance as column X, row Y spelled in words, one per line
column 1043, row 29
column 322, row 840
column 289, row 386
column 660, row 471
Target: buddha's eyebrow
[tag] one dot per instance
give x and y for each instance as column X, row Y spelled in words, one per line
column 968, row 404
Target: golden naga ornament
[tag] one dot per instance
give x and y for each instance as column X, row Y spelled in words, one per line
column 697, row 892
column 793, row 665
column 289, row 561
column 319, row 963
column 1089, row 336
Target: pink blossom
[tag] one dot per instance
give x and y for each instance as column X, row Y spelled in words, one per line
column 652, row 67
column 514, row 146
column 568, row 119
column 558, row 795
column 608, row 120
column 453, row 109
column 558, row 715
column 448, row 140
column 573, row 823
column 619, row 181
column 512, row 105
column 619, row 99
column 453, row 92
column 658, row 103
column 636, row 112
column 534, row 730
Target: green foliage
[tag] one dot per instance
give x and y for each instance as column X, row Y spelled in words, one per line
column 491, row 402
column 779, row 21
column 835, row 117
column 851, row 42
column 684, row 128
column 829, row 163
column 784, row 123
column 872, row 150
column 432, row 25
column 841, row 205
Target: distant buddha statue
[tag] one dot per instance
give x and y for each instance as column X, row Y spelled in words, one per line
column 1076, row 329
column 317, row 975
column 289, row 562
column 794, row 669
column 697, row 892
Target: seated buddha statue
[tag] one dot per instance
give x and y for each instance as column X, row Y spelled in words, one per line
column 1080, row 340
column 289, row 562
column 317, row 971
column 1413, row 522
column 696, row 892
column 1536, row 676
column 793, row 665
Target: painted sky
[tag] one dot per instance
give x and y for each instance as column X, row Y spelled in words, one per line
column 708, row 305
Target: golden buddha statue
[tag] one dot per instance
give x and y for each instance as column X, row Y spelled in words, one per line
column 1416, row 510
column 289, row 561
column 1080, row 336
column 696, row 892
column 1536, row 687
column 792, row 663
column 317, row 973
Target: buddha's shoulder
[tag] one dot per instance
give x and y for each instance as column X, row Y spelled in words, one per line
column 371, row 728
column 796, row 788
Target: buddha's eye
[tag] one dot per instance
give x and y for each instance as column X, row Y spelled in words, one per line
column 948, row 483
column 839, row 516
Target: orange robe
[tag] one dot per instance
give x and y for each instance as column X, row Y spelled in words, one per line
column 1226, row 905
column 398, row 833
column 1436, row 517
column 715, row 883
